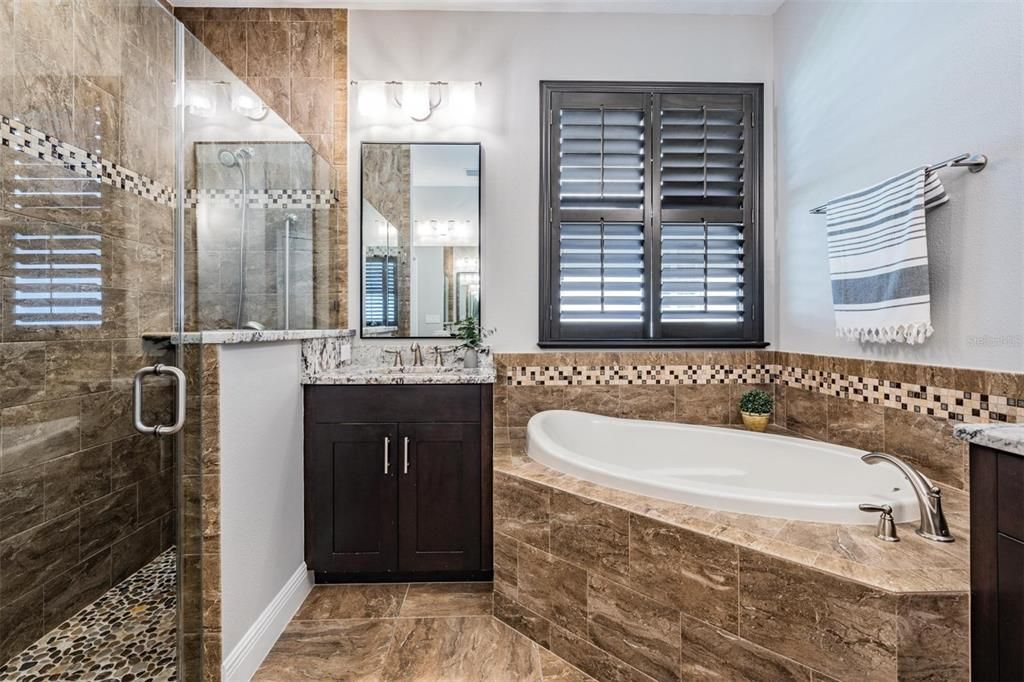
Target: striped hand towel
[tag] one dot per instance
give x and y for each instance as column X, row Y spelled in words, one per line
column 878, row 256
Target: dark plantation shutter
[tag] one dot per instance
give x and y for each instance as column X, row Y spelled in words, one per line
column 598, row 216
column 379, row 297
column 704, row 162
column 650, row 206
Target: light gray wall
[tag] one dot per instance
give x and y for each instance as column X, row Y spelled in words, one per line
column 865, row 90
column 511, row 53
column 261, row 479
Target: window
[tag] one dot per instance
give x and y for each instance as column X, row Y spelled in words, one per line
column 650, row 212
column 379, row 298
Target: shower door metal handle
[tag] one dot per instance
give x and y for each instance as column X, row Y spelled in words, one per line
column 179, row 400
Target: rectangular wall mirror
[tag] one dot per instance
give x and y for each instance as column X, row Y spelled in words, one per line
column 420, row 238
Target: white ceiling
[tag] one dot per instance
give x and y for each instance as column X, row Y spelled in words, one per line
column 760, row 7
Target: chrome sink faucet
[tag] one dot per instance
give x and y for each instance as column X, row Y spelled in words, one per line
column 929, row 498
column 417, row 354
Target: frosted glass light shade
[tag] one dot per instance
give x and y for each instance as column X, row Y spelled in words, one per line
column 462, row 100
column 373, row 99
column 416, row 99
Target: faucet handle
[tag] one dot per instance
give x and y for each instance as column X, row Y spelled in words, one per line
column 886, row 530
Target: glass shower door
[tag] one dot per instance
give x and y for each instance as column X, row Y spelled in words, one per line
column 89, row 507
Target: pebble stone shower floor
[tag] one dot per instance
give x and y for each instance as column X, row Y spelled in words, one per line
column 128, row 634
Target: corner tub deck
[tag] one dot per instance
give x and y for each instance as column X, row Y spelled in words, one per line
column 626, row 586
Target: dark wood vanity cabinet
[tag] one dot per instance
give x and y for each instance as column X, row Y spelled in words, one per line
column 997, row 565
column 398, row 481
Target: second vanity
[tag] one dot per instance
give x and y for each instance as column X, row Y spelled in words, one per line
column 398, row 471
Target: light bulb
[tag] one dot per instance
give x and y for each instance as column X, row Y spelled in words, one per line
column 373, row 99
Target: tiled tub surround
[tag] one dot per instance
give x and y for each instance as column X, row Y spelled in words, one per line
column 627, row 587
column 907, row 410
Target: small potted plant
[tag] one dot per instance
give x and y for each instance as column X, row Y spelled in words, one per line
column 471, row 335
column 756, row 406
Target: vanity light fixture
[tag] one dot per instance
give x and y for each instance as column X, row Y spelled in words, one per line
column 417, row 99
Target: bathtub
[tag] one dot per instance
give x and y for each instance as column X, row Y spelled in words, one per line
column 725, row 469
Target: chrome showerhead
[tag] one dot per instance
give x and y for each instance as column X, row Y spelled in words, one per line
column 234, row 158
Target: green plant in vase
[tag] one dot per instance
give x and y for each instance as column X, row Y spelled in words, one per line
column 756, row 407
column 471, row 336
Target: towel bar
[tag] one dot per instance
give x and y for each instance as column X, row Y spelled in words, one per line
column 973, row 162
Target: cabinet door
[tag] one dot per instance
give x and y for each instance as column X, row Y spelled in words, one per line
column 439, row 497
column 354, row 497
column 1011, row 609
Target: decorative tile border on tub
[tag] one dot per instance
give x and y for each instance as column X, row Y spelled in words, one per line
column 625, row 375
column 944, row 402
column 970, row 407
column 39, row 145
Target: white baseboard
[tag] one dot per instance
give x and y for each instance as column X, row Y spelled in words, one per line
column 243, row 661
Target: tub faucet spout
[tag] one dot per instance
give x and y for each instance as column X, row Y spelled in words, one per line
column 929, row 497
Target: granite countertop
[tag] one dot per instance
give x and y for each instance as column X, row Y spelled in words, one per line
column 360, row 374
column 1006, row 437
column 847, row 551
column 223, row 336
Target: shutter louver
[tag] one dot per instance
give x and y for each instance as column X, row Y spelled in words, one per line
column 58, row 280
column 602, row 158
column 702, row 273
column 601, row 273
column 701, row 155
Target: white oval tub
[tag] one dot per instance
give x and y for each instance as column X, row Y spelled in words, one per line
column 724, row 469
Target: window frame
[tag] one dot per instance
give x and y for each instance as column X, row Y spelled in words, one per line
column 550, row 336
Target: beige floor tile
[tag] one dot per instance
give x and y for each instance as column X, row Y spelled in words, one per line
column 328, row 650
column 336, row 602
column 468, row 648
column 447, row 599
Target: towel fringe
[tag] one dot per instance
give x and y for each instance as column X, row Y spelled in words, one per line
column 912, row 333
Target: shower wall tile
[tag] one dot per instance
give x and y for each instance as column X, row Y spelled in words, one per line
column 22, row 371
column 91, row 579
column 38, row 432
column 21, row 501
column 272, row 45
column 75, row 480
column 32, row 558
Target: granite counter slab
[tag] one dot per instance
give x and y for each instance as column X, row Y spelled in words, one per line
column 359, row 375
column 226, row 336
column 1005, row 437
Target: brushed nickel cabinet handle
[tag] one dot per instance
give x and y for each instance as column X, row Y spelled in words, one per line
column 387, row 447
column 406, row 459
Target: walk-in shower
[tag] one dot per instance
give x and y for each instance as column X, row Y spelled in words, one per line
column 162, row 211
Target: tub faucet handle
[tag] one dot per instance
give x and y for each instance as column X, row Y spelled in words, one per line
column 886, row 530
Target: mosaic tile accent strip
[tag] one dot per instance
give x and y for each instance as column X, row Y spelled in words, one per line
column 946, row 403
column 268, row 198
column 624, row 375
column 127, row 634
column 39, row 145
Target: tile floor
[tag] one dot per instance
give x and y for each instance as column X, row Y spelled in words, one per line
column 127, row 634
column 420, row 631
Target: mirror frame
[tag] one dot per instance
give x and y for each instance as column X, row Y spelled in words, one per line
column 479, row 237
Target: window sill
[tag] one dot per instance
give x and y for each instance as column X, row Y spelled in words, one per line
column 653, row 343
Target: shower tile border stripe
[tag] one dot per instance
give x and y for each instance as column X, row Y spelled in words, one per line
column 44, row 147
column 970, row 407
column 40, row 145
